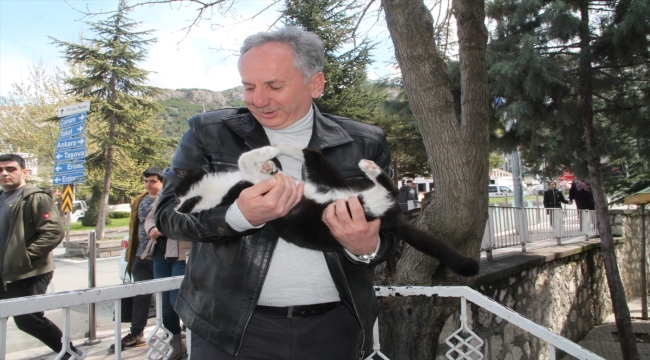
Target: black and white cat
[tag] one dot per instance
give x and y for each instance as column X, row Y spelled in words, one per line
column 323, row 185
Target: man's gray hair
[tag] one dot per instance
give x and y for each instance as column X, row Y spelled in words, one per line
column 307, row 47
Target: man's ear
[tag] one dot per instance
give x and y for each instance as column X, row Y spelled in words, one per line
column 317, row 84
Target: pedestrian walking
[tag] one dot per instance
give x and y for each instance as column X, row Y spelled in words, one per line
column 30, row 228
column 553, row 199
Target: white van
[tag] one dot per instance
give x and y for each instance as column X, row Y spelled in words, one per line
column 499, row 191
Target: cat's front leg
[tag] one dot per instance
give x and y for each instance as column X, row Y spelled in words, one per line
column 256, row 165
column 290, row 150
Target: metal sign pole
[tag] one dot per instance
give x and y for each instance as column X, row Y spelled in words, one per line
column 68, row 218
column 644, row 283
column 92, row 328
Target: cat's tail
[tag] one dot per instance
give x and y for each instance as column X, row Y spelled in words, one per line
column 432, row 246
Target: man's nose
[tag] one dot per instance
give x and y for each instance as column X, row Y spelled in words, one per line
column 260, row 97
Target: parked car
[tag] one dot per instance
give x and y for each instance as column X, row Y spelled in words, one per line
column 79, row 209
column 499, row 191
column 122, row 262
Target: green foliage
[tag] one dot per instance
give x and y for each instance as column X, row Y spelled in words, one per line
column 119, row 214
column 394, row 116
column 496, row 160
column 175, row 114
column 534, row 56
column 122, row 108
column 92, row 214
column 347, row 92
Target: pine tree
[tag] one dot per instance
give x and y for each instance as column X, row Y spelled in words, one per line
column 347, row 91
column 574, row 76
column 122, row 109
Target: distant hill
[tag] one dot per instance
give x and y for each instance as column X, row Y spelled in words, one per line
column 179, row 105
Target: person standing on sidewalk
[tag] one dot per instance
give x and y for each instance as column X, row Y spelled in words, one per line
column 30, row 228
column 168, row 260
column 140, row 269
column 553, row 199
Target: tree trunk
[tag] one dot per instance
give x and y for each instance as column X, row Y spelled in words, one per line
column 457, row 148
column 616, row 290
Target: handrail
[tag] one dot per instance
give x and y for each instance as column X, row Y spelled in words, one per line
column 495, row 308
column 65, row 300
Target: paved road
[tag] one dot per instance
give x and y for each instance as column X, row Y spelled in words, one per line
column 72, row 275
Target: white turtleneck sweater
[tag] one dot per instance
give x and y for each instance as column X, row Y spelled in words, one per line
column 297, row 276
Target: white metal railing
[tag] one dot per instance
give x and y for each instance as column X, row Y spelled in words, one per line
column 158, row 343
column 464, row 343
column 510, row 226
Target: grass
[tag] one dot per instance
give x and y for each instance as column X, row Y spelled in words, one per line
column 75, row 226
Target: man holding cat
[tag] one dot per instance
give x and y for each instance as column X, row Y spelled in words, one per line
column 248, row 294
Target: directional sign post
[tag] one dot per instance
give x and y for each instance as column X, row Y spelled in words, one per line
column 70, row 155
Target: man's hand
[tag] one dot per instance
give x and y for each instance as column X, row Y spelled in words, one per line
column 270, row 200
column 154, row 234
column 350, row 227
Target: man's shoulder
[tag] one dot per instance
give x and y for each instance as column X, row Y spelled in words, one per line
column 215, row 116
column 357, row 128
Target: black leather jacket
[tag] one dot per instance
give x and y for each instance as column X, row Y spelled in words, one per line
column 227, row 268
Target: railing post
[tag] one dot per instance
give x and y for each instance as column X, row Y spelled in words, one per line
column 92, row 258
column 556, row 215
column 117, row 308
column 3, row 337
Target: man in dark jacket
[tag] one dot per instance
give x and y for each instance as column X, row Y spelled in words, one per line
column 553, row 199
column 247, row 293
column 30, row 228
column 406, row 193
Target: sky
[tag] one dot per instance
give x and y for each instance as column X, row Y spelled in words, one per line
column 204, row 58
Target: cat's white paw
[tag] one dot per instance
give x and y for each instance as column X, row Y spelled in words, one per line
column 369, row 167
column 290, row 151
column 266, row 167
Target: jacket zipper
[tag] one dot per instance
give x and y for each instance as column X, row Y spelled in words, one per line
column 354, row 305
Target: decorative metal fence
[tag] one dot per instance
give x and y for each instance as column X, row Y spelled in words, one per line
column 464, row 343
column 510, row 226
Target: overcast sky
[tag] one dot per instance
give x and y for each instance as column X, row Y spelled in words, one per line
column 204, row 58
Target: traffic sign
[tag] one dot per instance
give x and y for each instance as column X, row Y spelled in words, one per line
column 72, row 131
column 71, row 143
column 61, row 168
column 69, row 178
column 76, row 154
column 72, row 120
column 73, row 109
column 66, row 198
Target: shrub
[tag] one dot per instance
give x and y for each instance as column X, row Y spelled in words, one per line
column 119, row 214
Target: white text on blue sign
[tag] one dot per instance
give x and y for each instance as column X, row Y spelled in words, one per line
column 71, row 143
column 71, row 178
column 72, row 131
column 69, row 155
column 72, row 120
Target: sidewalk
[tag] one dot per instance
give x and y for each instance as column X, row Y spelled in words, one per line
column 95, row 352
column 602, row 342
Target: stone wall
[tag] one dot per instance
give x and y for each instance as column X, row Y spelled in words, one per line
column 566, row 292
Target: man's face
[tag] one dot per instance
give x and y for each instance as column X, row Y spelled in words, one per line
column 552, row 186
column 12, row 176
column 152, row 185
column 274, row 89
column 411, row 184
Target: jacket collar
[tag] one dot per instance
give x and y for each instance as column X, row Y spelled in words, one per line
column 326, row 133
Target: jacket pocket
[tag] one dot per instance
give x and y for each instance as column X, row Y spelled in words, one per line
column 19, row 261
column 222, row 162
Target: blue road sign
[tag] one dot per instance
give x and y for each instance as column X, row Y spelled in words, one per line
column 69, row 178
column 72, row 131
column 76, row 154
column 72, row 143
column 72, row 120
column 60, row 169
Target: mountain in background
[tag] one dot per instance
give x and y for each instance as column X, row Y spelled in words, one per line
column 179, row 105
